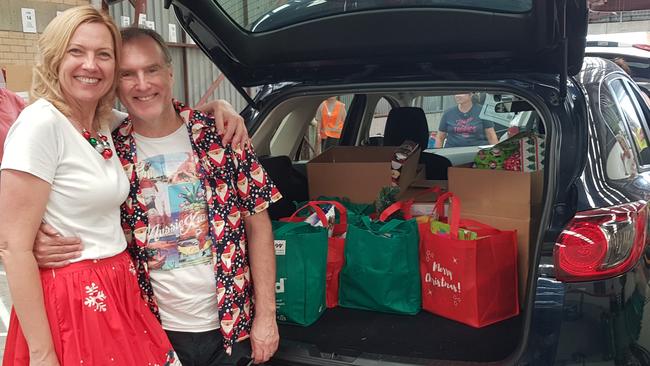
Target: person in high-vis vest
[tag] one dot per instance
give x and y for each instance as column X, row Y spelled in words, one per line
column 330, row 118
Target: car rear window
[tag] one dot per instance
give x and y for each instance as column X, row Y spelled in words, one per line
column 263, row 15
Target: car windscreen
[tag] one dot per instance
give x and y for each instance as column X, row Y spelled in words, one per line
column 264, row 15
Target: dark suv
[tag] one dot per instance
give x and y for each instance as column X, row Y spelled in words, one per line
column 587, row 285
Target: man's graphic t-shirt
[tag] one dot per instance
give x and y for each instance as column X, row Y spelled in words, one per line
column 464, row 129
column 179, row 250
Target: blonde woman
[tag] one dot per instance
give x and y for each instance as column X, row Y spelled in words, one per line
column 59, row 166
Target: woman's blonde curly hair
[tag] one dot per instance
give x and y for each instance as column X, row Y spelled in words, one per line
column 52, row 46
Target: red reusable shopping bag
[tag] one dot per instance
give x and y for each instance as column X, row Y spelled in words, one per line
column 470, row 281
column 335, row 253
column 335, row 249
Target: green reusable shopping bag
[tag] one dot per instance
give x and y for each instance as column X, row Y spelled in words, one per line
column 381, row 270
column 301, row 261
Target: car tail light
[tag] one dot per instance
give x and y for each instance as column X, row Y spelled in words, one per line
column 645, row 47
column 601, row 243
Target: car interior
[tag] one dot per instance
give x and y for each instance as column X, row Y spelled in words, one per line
column 384, row 119
column 285, row 143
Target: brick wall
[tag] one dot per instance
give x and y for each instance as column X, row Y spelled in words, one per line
column 19, row 48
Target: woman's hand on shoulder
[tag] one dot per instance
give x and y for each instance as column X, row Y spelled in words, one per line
column 228, row 122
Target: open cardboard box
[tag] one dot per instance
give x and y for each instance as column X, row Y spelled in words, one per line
column 424, row 200
column 357, row 172
column 503, row 199
column 418, row 187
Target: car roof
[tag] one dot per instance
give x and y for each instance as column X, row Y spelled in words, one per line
column 595, row 69
column 617, row 50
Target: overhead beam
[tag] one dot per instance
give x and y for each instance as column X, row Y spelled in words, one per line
column 140, row 7
column 619, row 5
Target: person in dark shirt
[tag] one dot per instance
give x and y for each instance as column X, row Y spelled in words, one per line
column 462, row 126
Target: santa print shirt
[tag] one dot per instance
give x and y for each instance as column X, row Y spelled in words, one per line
column 235, row 186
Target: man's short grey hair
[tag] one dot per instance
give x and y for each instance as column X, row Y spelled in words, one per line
column 131, row 33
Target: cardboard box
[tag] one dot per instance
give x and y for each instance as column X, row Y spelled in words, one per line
column 19, row 77
column 421, row 173
column 419, row 186
column 424, row 203
column 357, row 172
column 506, row 200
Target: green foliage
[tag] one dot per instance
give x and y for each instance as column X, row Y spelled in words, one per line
column 387, row 196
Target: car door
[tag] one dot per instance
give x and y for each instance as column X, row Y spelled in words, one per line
column 634, row 111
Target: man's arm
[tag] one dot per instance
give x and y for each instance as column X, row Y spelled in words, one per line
column 319, row 123
column 264, row 334
column 441, row 134
column 52, row 250
column 491, row 136
column 319, row 113
column 440, row 138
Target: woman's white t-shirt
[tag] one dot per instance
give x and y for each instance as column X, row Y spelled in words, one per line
column 87, row 190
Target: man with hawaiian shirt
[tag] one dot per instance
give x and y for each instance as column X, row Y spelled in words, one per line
column 195, row 218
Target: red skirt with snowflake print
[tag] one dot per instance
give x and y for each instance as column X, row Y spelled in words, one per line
column 97, row 317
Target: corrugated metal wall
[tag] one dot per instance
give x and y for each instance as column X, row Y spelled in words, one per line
column 201, row 72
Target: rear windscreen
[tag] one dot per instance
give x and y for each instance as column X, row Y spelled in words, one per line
column 264, row 15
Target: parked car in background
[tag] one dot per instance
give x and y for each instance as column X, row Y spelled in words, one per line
column 635, row 54
column 587, row 283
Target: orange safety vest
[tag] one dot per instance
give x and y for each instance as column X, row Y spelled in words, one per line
column 331, row 124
